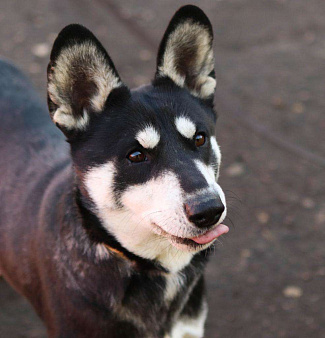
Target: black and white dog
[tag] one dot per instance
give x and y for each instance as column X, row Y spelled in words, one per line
column 112, row 241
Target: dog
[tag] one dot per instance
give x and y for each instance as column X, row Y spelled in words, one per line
column 112, row 239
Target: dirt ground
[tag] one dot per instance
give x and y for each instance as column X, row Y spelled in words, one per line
column 267, row 276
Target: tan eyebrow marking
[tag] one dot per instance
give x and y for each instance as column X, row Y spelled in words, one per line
column 148, row 137
column 185, row 126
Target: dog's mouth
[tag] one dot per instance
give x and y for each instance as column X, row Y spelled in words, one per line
column 195, row 243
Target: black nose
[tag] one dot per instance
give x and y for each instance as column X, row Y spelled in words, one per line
column 204, row 214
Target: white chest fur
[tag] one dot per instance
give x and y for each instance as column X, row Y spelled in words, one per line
column 188, row 327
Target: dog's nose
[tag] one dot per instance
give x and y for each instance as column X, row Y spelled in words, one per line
column 204, row 214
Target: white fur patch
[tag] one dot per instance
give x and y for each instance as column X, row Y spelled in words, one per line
column 99, row 183
column 173, row 258
column 206, row 171
column 185, row 126
column 217, row 153
column 209, row 175
column 208, row 86
column 101, row 252
column 148, row 137
column 173, row 284
column 196, row 37
column 63, row 116
column 190, row 327
column 79, row 59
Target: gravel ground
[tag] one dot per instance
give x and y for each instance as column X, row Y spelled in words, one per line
column 267, row 276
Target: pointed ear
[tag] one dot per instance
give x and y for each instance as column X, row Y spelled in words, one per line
column 81, row 76
column 185, row 53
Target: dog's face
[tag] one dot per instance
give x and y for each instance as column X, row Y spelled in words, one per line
column 147, row 160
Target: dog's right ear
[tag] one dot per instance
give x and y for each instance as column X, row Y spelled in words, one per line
column 81, row 76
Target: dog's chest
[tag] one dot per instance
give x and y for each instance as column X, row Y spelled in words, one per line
column 153, row 303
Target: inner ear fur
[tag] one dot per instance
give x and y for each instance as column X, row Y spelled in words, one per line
column 186, row 52
column 81, row 76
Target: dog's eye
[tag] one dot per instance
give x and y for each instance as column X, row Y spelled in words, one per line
column 137, row 156
column 199, row 139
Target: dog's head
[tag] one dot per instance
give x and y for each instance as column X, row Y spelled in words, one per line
column 146, row 160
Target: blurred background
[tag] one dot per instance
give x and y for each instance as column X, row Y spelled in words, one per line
column 266, row 278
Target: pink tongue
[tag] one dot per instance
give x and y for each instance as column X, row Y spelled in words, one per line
column 212, row 234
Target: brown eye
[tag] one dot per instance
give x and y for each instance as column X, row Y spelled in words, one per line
column 137, row 156
column 199, row 139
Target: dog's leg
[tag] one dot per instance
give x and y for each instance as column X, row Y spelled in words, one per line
column 190, row 323
column 190, row 327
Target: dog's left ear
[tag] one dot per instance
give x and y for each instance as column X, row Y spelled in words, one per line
column 186, row 54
